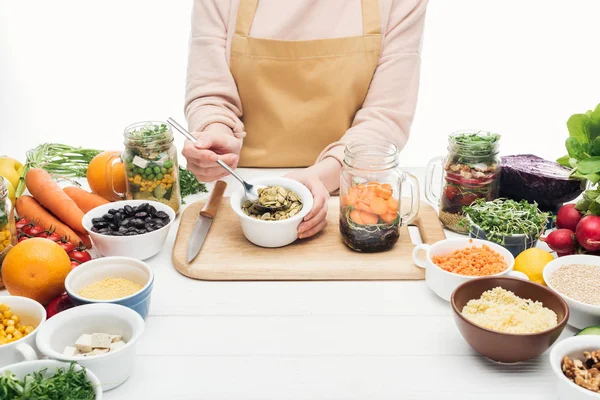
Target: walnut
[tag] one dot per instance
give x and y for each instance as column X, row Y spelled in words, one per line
column 584, row 373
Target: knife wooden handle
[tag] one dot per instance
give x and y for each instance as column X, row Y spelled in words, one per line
column 214, row 200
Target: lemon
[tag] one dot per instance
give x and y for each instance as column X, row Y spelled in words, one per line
column 531, row 262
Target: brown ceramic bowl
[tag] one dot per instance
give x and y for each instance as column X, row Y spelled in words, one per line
column 508, row 347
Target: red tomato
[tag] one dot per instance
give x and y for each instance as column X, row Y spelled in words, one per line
column 67, row 246
column 42, row 235
column 55, row 237
column 61, row 303
column 36, row 230
column 75, row 264
column 23, row 238
column 80, row 256
column 26, row 229
column 452, row 192
column 21, row 223
column 468, row 198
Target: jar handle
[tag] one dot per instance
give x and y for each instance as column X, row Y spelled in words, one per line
column 110, row 182
column 431, row 167
column 415, row 198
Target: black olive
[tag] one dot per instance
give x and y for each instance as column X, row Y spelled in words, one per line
column 159, row 225
column 147, row 219
column 112, row 211
column 122, row 211
column 143, row 207
column 112, row 226
column 162, row 215
column 157, row 220
column 129, row 210
column 96, row 220
column 101, row 224
column 118, row 218
column 138, row 223
column 108, row 217
column 131, row 233
column 151, row 210
column 141, row 214
column 125, row 222
column 122, row 229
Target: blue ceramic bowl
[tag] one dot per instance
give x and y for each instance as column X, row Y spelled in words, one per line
column 516, row 244
column 113, row 267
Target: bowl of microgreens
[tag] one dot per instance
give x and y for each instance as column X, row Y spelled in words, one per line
column 515, row 225
column 48, row 379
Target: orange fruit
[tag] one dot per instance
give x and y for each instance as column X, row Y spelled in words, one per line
column 36, row 268
column 101, row 176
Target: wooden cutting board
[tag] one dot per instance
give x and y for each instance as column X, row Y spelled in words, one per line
column 227, row 255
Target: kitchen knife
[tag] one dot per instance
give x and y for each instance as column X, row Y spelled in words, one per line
column 205, row 220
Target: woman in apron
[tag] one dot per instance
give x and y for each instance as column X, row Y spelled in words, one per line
column 287, row 83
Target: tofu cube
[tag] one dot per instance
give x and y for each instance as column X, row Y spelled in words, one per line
column 70, row 351
column 100, row 341
column 97, row 352
column 116, row 345
column 140, row 162
column 116, row 338
column 84, row 343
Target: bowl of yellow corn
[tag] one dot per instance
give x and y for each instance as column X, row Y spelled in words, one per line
column 20, row 319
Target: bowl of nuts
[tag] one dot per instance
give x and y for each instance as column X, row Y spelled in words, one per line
column 291, row 202
column 575, row 362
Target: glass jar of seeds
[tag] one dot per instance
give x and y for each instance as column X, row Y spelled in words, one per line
column 151, row 165
column 471, row 171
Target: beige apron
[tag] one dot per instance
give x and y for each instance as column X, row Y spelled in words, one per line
column 300, row 96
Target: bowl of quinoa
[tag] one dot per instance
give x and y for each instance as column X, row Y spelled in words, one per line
column 506, row 319
column 576, row 279
column 119, row 280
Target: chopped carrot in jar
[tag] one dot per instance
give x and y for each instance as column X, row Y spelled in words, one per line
column 472, row 261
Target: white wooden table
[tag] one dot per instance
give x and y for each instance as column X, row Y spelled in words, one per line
column 312, row 340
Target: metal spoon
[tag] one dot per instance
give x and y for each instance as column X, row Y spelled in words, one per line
column 251, row 191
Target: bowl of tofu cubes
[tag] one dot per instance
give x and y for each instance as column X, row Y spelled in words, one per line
column 99, row 337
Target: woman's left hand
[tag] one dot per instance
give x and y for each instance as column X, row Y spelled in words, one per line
column 316, row 220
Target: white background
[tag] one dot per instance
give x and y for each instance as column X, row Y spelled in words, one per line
column 78, row 72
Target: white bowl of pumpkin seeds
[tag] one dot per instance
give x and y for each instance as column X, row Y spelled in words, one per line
column 576, row 279
column 273, row 229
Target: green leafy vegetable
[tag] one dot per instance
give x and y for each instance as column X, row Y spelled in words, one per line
column 583, row 146
column 188, row 184
column 63, row 385
column 505, row 217
column 475, row 144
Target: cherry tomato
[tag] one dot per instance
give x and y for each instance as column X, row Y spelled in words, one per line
column 61, row 303
column 468, row 198
column 43, row 235
column 21, row 223
column 36, row 230
column 23, row 238
column 75, row 264
column 80, row 256
column 26, row 229
column 55, row 237
column 67, row 246
column 452, row 192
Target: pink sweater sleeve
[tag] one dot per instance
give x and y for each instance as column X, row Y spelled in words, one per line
column 389, row 106
column 211, row 94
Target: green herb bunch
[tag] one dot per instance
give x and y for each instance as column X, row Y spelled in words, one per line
column 65, row 384
column 505, row 217
column 583, row 146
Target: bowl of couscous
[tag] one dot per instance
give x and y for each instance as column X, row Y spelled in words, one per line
column 507, row 319
column 118, row 280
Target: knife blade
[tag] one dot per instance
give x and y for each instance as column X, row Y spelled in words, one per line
column 204, row 220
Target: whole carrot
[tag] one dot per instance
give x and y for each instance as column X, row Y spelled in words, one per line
column 29, row 208
column 84, row 200
column 51, row 196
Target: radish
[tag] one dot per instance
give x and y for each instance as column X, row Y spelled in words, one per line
column 588, row 233
column 568, row 217
column 561, row 241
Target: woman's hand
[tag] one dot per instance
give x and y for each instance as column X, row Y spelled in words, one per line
column 216, row 142
column 316, row 220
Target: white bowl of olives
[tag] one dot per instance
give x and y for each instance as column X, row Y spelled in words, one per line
column 273, row 229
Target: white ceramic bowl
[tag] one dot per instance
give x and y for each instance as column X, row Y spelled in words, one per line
column 272, row 233
column 139, row 246
column 582, row 315
column 63, row 329
column 31, row 313
column 113, row 267
column 29, row 367
column 572, row 347
column 443, row 282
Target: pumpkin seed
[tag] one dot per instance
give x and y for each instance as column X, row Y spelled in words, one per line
column 286, row 202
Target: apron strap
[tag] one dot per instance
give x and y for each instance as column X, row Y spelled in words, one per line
column 371, row 17
column 245, row 17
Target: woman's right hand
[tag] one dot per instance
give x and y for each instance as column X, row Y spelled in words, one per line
column 214, row 143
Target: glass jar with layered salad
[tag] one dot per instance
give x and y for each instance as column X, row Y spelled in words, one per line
column 151, row 165
column 471, row 171
column 370, row 195
column 8, row 235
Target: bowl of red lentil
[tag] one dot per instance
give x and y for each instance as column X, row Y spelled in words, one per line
column 118, row 280
column 451, row 262
column 576, row 279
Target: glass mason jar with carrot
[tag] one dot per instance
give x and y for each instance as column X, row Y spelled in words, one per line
column 371, row 194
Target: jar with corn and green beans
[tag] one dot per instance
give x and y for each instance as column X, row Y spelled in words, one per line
column 151, row 163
